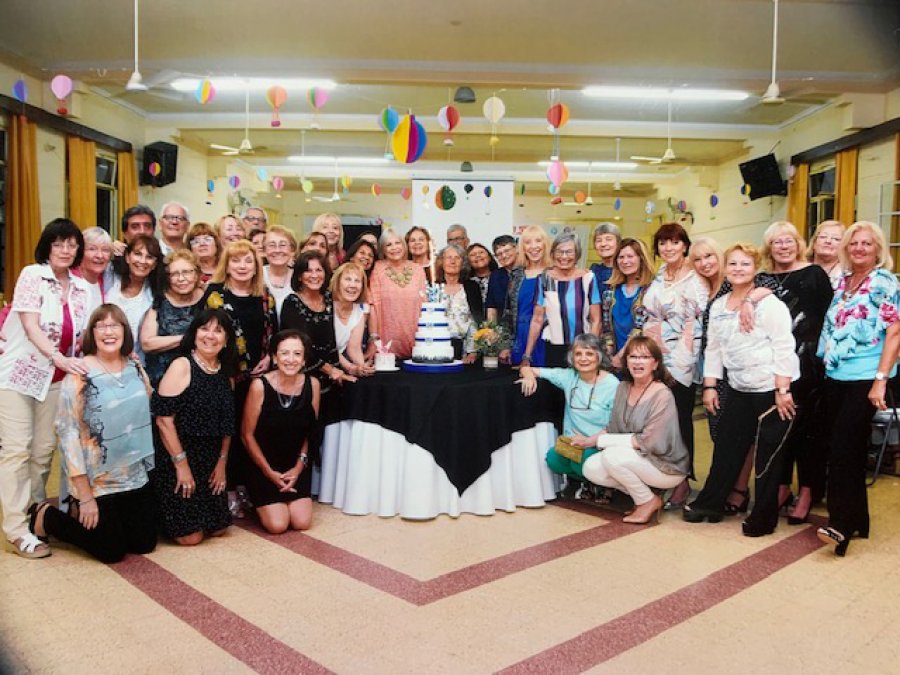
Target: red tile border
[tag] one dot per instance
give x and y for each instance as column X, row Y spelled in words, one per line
column 608, row 640
column 243, row 640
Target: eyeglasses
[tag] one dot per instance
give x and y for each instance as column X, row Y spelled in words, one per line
column 203, row 239
column 456, row 240
column 108, row 328
column 639, row 357
column 66, row 245
column 175, row 219
column 182, row 274
column 574, row 406
column 783, row 242
column 255, row 219
column 278, row 245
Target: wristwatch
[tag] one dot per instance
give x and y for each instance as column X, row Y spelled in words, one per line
column 784, row 391
column 881, row 377
column 305, row 459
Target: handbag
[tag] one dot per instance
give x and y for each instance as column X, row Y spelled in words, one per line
column 565, row 448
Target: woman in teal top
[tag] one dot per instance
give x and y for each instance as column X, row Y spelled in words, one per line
column 859, row 344
column 589, row 391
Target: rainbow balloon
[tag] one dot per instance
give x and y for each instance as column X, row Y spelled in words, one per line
column 318, row 97
column 234, row 182
column 409, row 140
column 388, row 119
column 205, row 93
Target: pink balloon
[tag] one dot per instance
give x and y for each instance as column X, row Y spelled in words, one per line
column 278, row 183
column 61, row 86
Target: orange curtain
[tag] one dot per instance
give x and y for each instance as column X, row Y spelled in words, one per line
column 895, row 220
column 82, row 174
column 126, row 182
column 846, row 164
column 798, row 199
column 23, row 206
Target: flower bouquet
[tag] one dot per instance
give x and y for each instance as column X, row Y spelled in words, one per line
column 490, row 339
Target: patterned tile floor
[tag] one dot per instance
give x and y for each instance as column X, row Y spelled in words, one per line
column 552, row 590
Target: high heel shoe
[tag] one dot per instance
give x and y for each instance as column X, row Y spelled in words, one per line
column 679, row 497
column 751, row 530
column 797, row 520
column 644, row 513
column 732, row 509
column 829, row 535
column 692, row 514
column 787, row 501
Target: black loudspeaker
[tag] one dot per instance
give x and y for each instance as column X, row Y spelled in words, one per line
column 763, row 177
column 160, row 159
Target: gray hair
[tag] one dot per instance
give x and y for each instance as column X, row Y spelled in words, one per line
column 564, row 237
column 187, row 214
column 247, row 209
column 457, row 227
column 97, row 235
column 464, row 271
column 592, row 342
column 607, row 228
column 387, row 234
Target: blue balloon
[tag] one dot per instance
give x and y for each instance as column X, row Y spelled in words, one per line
column 617, row 204
column 210, row 185
column 714, row 200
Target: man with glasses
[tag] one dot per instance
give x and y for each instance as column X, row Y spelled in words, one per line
column 456, row 234
column 254, row 218
column 174, row 223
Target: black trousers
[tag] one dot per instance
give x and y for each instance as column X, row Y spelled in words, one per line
column 847, row 406
column 747, row 416
column 805, row 445
column 684, row 402
column 127, row 525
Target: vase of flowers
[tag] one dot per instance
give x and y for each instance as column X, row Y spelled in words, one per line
column 490, row 339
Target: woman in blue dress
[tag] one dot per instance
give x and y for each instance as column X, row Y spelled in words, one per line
column 522, row 295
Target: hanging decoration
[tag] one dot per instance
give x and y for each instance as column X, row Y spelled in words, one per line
column 617, row 205
column 276, row 96
column 262, row 174
column 522, row 189
column 488, row 191
column 409, row 140
column 448, row 118
column 61, row 86
column 580, row 197
column 468, row 187
column 278, row 185
column 445, row 199
column 306, row 185
column 20, row 91
column 494, row 109
column 234, row 182
column 346, row 182
column 376, row 190
column 154, row 169
column 553, row 189
column 210, row 188
column 713, row 203
column 205, row 92
column 406, row 193
column 556, row 201
column 317, row 97
column 745, row 189
column 558, row 173
column 558, row 115
column 388, row 120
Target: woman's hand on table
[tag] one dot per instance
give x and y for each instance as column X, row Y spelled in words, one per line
column 528, row 381
column 470, row 358
column 364, row 370
column 338, row 376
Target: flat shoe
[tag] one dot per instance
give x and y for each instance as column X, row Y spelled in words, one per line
column 30, row 546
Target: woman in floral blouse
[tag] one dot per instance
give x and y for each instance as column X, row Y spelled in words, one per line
column 49, row 309
column 465, row 310
column 859, row 344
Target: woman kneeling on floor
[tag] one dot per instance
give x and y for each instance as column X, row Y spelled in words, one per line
column 643, row 448
column 107, row 446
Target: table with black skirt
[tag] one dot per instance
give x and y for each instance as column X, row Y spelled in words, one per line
column 419, row 445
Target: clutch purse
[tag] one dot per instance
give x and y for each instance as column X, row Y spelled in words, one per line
column 565, row 448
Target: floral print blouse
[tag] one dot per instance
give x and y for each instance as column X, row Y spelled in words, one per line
column 255, row 322
column 855, row 325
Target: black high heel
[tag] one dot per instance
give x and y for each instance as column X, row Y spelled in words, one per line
column 751, row 530
column 829, row 535
column 733, row 509
column 692, row 514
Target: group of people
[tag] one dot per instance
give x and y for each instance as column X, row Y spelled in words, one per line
column 189, row 373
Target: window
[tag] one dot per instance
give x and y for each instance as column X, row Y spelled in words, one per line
column 107, row 194
column 821, row 194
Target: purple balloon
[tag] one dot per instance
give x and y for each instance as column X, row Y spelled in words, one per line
column 20, row 91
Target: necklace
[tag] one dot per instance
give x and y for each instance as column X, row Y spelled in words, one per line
column 284, row 400
column 401, row 278
column 206, row 368
column 674, row 277
column 116, row 377
column 273, row 283
column 851, row 290
column 629, row 409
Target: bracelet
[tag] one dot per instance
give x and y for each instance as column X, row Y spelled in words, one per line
column 305, row 459
column 81, row 502
column 525, row 359
column 709, row 386
column 223, row 456
column 180, row 457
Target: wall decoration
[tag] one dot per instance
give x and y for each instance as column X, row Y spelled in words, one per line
column 276, row 96
column 375, row 190
column 406, row 193
column 494, row 109
column 61, row 86
column 234, row 182
column 445, row 199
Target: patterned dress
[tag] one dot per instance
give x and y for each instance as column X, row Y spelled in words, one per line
column 170, row 320
column 397, row 306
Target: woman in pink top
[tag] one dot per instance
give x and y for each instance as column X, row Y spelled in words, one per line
column 397, row 290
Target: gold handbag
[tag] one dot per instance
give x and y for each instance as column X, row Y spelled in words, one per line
column 565, row 448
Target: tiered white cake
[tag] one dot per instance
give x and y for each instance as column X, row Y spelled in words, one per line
column 433, row 335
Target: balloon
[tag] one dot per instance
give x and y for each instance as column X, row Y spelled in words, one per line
column 205, row 93
column 278, row 183
column 714, row 201
column 376, row 190
column 409, row 140
column 556, row 201
column 425, row 189
column 262, row 174
column 580, row 197
column 276, row 96
column 488, row 191
column 522, row 189
column 558, row 115
column 682, row 206
column 388, row 119
column 306, row 185
column 20, row 91
column 468, row 188
column 448, row 117
column 493, row 140
column 154, row 168
column 649, row 207
column 346, row 182
column 234, row 182
column 494, row 109
column 210, row 185
column 445, row 199
column 553, row 189
column 745, row 189
column 406, row 193
column 318, row 97
column 61, row 86
column 557, row 173
column 617, row 205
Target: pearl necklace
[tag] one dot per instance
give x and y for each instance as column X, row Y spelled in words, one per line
column 203, row 366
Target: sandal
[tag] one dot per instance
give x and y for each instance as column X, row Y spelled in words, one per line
column 33, row 512
column 30, row 546
column 740, row 507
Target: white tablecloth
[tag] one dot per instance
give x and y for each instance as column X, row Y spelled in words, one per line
column 368, row 469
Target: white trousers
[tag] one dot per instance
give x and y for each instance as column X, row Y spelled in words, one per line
column 27, row 441
column 622, row 468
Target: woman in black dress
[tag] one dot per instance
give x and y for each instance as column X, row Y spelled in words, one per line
column 194, row 410
column 279, row 419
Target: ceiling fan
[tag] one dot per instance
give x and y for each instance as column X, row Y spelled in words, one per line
column 669, row 154
column 246, row 147
column 772, row 95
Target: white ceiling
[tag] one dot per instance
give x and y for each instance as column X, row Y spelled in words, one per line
column 413, row 53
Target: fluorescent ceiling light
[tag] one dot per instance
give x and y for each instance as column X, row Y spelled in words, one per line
column 322, row 159
column 595, row 165
column 252, row 83
column 664, row 94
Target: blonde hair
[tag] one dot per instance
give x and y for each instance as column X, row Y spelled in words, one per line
column 236, row 248
column 884, row 256
column 534, row 231
column 339, row 273
column 646, row 274
column 747, row 249
column 810, row 253
column 283, row 232
column 710, row 244
column 218, row 225
column 182, row 254
column 321, row 219
column 776, row 228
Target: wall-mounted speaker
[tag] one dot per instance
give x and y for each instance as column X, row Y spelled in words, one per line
column 160, row 164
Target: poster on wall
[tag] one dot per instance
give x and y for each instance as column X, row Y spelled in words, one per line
column 484, row 207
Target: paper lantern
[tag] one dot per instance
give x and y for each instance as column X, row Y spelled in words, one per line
column 210, row 185
column 488, row 191
column 306, row 185
column 234, row 182
column 448, row 118
column 276, row 96
column 318, row 97
column 278, row 183
column 154, row 169
column 376, row 190
column 445, row 199
column 408, row 140
column 262, row 174
column 558, row 115
column 388, row 119
column 557, row 173
column 205, row 92
column 580, row 197
column 61, row 86
column 346, row 182
column 494, row 109
column 20, row 91
column 406, row 193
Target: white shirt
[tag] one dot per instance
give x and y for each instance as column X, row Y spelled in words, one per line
column 342, row 330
